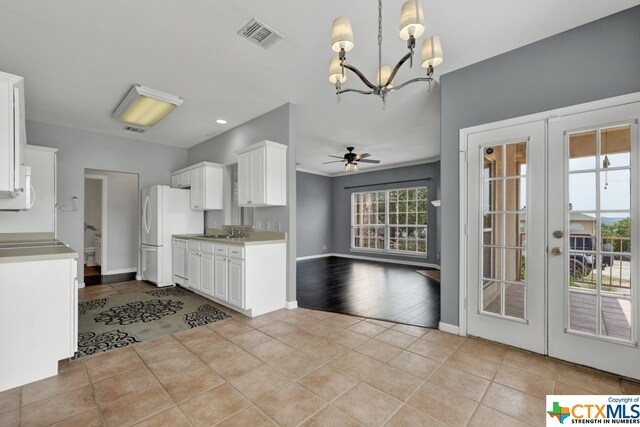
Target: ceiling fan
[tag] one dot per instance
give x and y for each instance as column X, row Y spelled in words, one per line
column 352, row 159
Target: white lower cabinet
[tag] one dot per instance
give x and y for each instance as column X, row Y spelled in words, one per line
column 221, row 278
column 236, row 282
column 201, row 267
column 250, row 279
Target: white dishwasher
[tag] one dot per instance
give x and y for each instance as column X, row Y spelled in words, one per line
column 180, row 261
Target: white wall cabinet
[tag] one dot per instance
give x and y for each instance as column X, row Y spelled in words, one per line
column 12, row 134
column 41, row 217
column 262, row 175
column 205, row 180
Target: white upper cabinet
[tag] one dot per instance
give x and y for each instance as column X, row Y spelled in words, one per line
column 205, row 180
column 262, row 175
column 12, row 134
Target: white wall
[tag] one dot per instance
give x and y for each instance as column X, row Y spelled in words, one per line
column 122, row 221
column 80, row 149
column 92, row 209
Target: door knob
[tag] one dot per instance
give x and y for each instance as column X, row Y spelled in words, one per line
column 558, row 234
column 556, row 251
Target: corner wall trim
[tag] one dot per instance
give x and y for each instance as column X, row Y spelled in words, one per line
column 80, row 285
column 138, row 277
column 291, row 305
column 446, row 327
column 302, row 258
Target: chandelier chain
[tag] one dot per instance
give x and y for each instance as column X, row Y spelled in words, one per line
column 380, row 39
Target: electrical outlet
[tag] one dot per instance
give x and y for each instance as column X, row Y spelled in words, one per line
column 438, row 256
column 278, row 226
column 324, row 247
column 267, row 225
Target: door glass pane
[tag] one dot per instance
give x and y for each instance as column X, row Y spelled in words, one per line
column 492, row 263
column 515, row 194
column 582, row 191
column 615, row 276
column 514, row 265
column 615, row 189
column 616, row 317
column 582, row 150
column 516, row 159
column 515, row 230
column 616, row 146
column 615, row 229
column 514, row 302
column 492, row 229
column 493, row 161
column 492, row 195
column 582, row 312
column 492, row 296
column 581, row 270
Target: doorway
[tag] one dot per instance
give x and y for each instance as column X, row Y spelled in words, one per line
column 548, row 207
column 111, row 226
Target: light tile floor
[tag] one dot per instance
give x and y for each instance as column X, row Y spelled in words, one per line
column 302, row 367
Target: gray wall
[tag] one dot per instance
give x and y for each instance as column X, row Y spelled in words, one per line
column 342, row 205
column 123, row 222
column 92, row 209
column 277, row 126
column 595, row 61
column 314, row 215
column 80, row 149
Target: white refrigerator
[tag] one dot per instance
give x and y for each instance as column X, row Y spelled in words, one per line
column 165, row 211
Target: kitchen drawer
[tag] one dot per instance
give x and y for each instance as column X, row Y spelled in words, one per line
column 179, row 243
column 222, row 250
column 236, row 252
column 194, row 245
column 207, row 247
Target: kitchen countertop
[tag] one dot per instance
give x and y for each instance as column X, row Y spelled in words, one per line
column 259, row 238
column 28, row 247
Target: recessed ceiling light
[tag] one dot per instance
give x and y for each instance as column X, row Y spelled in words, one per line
column 221, row 122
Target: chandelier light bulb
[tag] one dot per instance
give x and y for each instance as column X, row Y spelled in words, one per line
column 386, row 73
column 411, row 20
column 341, row 34
column 431, row 52
column 335, row 72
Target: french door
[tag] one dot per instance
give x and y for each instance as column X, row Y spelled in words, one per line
column 551, row 212
column 505, row 229
column 593, row 239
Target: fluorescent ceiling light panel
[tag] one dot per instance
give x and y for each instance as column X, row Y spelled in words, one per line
column 145, row 107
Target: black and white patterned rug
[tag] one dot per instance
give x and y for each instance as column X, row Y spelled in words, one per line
column 120, row 320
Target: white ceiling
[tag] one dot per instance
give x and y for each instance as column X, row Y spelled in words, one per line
column 79, row 58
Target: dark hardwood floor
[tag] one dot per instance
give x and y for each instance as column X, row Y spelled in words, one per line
column 369, row 289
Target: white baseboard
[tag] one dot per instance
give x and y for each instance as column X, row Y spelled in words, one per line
column 446, row 327
column 291, row 305
column 80, row 285
column 392, row 261
column 138, row 277
column 122, row 271
column 302, row 258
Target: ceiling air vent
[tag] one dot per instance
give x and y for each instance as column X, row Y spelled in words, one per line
column 134, row 129
column 258, row 33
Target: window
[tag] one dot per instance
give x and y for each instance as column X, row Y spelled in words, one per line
column 393, row 221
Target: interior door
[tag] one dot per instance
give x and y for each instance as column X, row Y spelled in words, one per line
column 592, row 235
column 505, row 235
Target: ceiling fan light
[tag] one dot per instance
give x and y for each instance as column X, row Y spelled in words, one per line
column 335, row 72
column 411, row 20
column 432, row 52
column 341, row 34
column 386, row 73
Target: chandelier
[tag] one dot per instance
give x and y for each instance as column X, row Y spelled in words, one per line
column 411, row 27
